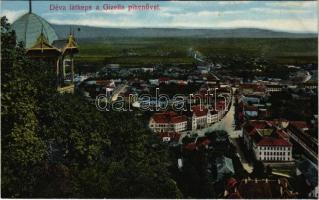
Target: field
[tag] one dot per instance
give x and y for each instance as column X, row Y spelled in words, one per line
column 150, row 51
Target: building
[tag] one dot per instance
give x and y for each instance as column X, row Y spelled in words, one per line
column 250, row 111
column 274, row 88
column 169, row 136
column 247, row 89
column 168, row 122
column 258, row 189
column 224, row 167
column 199, row 117
column 202, row 117
column 267, row 141
column 301, row 126
column 308, row 172
column 42, row 44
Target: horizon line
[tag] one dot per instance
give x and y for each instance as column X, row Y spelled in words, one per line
column 183, row 27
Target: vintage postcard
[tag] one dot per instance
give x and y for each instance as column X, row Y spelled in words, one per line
column 159, row 99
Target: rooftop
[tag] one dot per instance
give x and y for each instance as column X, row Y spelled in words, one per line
column 168, row 117
column 29, row 26
column 264, row 133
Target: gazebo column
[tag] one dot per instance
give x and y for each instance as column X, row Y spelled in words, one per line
column 57, row 68
column 72, row 68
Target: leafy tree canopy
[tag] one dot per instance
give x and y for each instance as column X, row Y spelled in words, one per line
column 59, row 146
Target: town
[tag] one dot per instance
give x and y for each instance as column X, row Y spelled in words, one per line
column 157, row 113
column 251, row 120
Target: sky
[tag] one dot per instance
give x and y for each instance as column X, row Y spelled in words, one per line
column 291, row 16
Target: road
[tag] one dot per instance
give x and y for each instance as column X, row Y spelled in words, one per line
column 227, row 124
column 298, row 139
column 117, row 91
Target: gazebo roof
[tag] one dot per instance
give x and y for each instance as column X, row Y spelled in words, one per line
column 42, row 45
column 29, row 26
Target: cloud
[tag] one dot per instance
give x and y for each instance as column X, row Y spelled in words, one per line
column 293, row 4
column 99, row 22
column 12, row 15
column 279, row 11
column 290, row 25
column 275, row 16
column 233, row 2
column 201, row 15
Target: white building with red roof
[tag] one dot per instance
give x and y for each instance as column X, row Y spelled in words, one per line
column 168, row 122
column 202, row 117
column 267, row 141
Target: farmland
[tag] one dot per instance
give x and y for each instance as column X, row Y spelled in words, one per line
column 175, row 51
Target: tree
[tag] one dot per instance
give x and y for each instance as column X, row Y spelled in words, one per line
column 59, row 146
column 22, row 149
column 259, row 170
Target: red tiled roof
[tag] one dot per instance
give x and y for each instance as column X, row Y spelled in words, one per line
column 278, row 138
column 199, row 111
column 168, row 117
column 178, row 119
column 161, row 79
column 231, row 182
column 299, row 124
column 104, row 82
column 161, row 117
column 249, row 129
column 255, row 87
column 270, row 141
column 205, row 142
column 282, row 134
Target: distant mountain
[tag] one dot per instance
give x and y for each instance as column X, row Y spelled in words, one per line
column 87, row 32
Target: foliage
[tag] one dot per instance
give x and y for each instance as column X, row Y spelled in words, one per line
column 59, row 146
column 22, row 148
